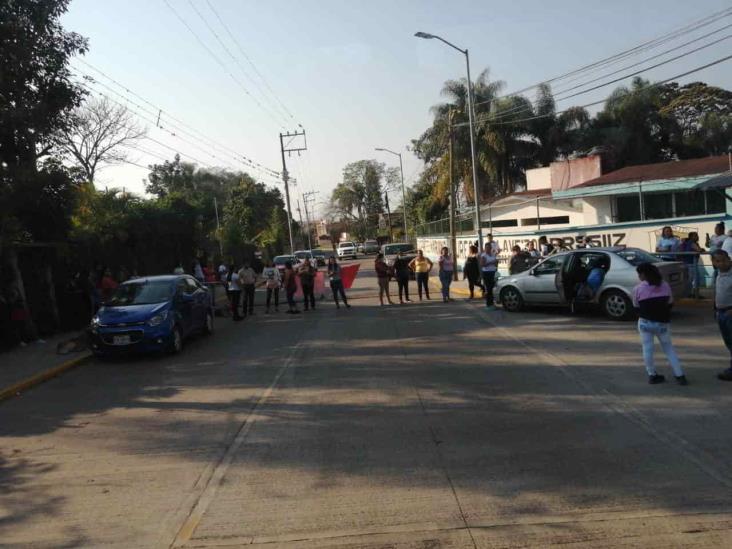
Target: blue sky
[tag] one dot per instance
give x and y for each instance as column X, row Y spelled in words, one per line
column 351, row 72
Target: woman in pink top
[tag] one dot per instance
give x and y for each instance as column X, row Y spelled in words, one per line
column 447, row 268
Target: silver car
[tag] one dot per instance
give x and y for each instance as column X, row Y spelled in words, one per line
column 548, row 282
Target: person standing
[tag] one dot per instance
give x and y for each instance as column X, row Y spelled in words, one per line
column 233, row 289
column 652, row 299
column 446, row 268
column 691, row 245
column 422, row 267
column 723, row 304
column 668, row 243
column 495, row 248
column 247, row 281
column 402, row 274
column 382, row 274
column 545, row 247
column 336, row 282
column 716, row 242
column 519, row 261
column 532, row 251
column 290, row 284
column 471, row 270
column 307, row 281
column 272, row 282
column 107, row 285
column 488, row 268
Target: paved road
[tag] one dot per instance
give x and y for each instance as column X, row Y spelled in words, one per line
column 426, row 425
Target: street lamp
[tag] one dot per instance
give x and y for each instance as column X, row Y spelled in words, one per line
column 471, row 116
column 404, row 193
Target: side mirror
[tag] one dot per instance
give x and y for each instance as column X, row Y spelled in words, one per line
column 184, row 298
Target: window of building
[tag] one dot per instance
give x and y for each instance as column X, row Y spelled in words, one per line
column 555, row 220
column 658, row 205
column 669, row 205
column 716, row 201
column 628, row 208
column 505, row 222
column 689, row 203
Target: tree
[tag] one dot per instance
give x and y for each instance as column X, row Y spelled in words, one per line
column 98, row 133
column 359, row 197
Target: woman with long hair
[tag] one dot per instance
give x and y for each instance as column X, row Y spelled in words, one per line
column 446, row 269
column 382, row 274
column 233, row 290
column 471, row 270
column 290, row 284
column 653, row 299
column 336, row 282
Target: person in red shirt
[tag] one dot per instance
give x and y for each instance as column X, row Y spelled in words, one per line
column 107, row 285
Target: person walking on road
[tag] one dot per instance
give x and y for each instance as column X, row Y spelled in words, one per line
column 336, row 282
column 233, row 290
column 247, row 281
column 471, row 270
column 307, row 280
column 652, row 299
column 691, row 245
column 402, row 272
column 422, row 267
column 723, row 304
column 488, row 268
column 272, row 281
column 446, row 269
column 382, row 274
column 290, row 284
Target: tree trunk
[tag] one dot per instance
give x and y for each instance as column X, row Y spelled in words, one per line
column 52, row 302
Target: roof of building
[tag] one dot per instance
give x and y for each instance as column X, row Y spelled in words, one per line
column 664, row 170
column 523, row 195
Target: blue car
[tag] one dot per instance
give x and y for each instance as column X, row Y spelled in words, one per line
column 155, row 313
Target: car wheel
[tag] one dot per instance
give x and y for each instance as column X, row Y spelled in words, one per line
column 176, row 341
column 616, row 305
column 511, row 299
column 208, row 327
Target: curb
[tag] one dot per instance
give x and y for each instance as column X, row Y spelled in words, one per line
column 22, row 386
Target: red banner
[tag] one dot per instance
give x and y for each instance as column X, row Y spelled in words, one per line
column 348, row 274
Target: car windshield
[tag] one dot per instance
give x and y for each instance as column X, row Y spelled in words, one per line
column 346, row 245
column 302, row 255
column 392, row 249
column 635, row 257
column 141, row 293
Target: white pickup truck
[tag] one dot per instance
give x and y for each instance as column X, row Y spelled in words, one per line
column 346, row 249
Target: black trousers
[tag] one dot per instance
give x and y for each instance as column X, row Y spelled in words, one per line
column 403, row 284
column 422, row 279
column 473, row 283
column 234, row 298
column 336, row 286
column 276, row 292
column 308, row 295
column 248, row 299
column 489, row 280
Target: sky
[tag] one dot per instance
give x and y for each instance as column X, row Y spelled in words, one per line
column 350, row 72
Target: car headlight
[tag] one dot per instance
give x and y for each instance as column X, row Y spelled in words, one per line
column 157, row 319
column 95, row 322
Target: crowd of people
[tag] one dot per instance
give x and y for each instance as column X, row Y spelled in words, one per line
column 241, row 283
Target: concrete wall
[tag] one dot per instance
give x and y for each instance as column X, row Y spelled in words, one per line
column 566, row 174
column 527, row 210
column 597, row 210
column 539, row 178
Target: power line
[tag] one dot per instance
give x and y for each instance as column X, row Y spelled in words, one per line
column 251, row 63
column 162, row 112
column 221, row 63
column 527, row 108
column 651, row 86
column 648, row 45
column 198, row 144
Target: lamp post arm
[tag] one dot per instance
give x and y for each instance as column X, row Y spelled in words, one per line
column 464, row 52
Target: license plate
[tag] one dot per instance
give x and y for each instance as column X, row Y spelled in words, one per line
column 121, row 340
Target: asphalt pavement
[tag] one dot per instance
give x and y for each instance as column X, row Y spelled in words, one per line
column 425, row 425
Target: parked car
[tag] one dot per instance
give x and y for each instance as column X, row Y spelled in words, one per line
column 359, row 247
column 315, row 259
column 347, row 249
column 155, row 313
column 371, row 247
column 390, row 252
column 280, row 260
column 321, row 256
column 545, row 283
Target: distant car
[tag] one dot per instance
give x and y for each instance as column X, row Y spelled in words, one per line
column 315, row 258
column 390, row 252
column 321, row 256
column 543, row 284
column 280, row 260
column 153, row 313
column 371, row 247
column 359, row 247
column 347, row 249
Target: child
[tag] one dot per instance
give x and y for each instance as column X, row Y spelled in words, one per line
column 723, row 303
column 652, row 299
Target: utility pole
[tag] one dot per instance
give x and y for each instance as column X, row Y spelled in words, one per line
column 306, row 197
column 299, row 214
column 287, row 148
column 453, row 236
column 388, row 216
column 218, row 229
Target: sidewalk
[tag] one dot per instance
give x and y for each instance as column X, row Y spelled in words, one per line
column 24, row 367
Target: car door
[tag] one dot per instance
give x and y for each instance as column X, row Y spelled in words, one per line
column 200, row 305
column 539, row 286
column 183, row 306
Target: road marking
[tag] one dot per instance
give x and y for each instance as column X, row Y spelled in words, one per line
column 617, row 404
column 214, row 476
column 45, row 375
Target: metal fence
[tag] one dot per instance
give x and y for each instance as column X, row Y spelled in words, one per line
column 463, row 224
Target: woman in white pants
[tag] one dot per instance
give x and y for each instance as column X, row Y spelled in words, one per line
column 652, row 299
